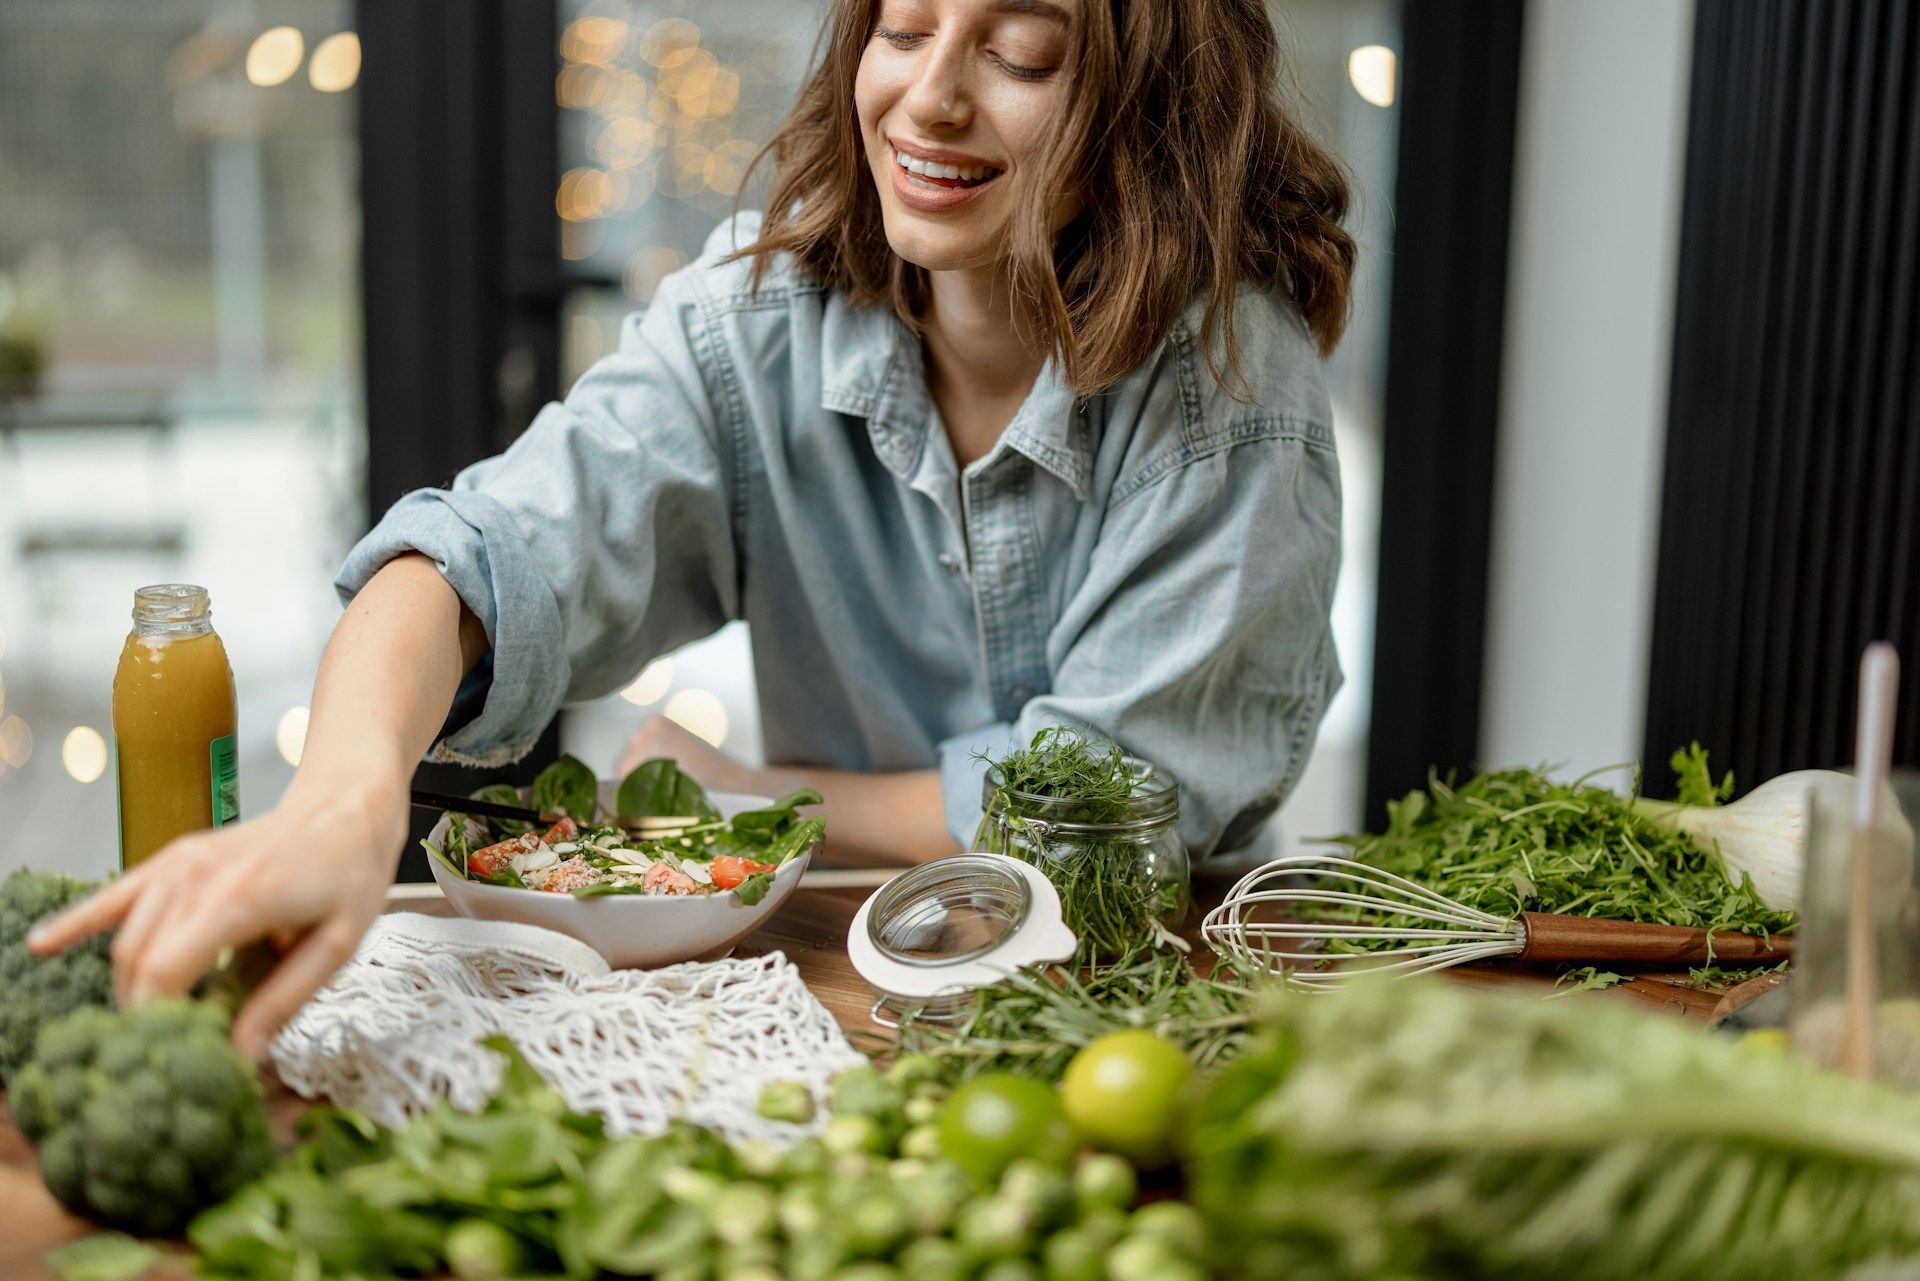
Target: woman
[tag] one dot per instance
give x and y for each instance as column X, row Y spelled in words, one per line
column 1007, row 413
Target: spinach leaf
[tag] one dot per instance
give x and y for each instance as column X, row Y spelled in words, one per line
column 795, row 841
column 754, row 888
column 566, row 787
column 504, row 794
column 601, row 889
column 660, row 789
column 775, row 817
column 104, row 1256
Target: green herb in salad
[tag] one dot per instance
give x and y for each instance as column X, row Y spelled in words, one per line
column 567, row 787
column 1112, row 895
column 660, row 789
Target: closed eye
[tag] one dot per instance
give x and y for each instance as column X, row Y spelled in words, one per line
column 898, row 39
column 1019, row 72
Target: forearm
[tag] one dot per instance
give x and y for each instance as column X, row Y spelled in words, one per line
column 890, row 818
column 388, row 677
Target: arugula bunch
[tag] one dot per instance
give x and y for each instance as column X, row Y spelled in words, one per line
column 1518, row 840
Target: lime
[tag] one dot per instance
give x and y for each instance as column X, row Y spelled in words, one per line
column 1123, row 1092
column 1764, row 1040
column 994, row 1119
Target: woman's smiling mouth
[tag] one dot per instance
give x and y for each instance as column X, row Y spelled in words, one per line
column 937, row 181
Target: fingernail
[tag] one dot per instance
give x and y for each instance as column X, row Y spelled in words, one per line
column 37, row 935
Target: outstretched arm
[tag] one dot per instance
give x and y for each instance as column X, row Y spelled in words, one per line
column 312, row 872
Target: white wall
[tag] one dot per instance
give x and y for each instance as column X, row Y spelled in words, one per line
column 1583, row 399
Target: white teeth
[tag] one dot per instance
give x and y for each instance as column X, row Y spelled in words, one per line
column 930, row 169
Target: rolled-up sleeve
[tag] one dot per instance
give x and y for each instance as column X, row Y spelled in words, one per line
column 1201, row 638
column 963, row 768
column 604, row 537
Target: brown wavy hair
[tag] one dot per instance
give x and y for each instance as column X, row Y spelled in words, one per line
column 1192, row 172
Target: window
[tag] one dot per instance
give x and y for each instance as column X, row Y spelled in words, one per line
column 180, row 391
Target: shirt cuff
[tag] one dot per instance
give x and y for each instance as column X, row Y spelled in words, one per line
column 962, row 775
column 507, row 699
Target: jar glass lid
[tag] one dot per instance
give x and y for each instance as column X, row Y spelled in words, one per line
column 956, row 924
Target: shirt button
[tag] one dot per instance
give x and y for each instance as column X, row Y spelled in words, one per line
column 949, row 562
column 1019, row 694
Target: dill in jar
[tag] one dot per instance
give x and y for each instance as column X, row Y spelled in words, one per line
column 1102, row 826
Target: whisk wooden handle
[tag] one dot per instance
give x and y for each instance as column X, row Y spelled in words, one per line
column 1584, row 940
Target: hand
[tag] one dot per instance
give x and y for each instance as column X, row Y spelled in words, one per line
column 310, row 875
column 710, row 767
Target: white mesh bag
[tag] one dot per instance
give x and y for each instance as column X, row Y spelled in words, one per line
column 399, row 1027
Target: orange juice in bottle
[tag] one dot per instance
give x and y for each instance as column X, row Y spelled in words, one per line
column 173, row 722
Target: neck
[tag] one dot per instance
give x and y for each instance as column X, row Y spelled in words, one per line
column 982, row 357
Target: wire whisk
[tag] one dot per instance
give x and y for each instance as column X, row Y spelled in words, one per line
column 1291, row 916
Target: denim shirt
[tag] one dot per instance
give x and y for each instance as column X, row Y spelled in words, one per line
column 1156, row 561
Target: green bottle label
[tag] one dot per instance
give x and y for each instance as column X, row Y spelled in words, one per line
column 224, row 759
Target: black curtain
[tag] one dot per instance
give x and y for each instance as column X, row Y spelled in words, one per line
column 460, row 267
column 1461, row 76
column 1791, row 509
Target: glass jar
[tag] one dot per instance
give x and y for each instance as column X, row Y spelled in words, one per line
column 1120, row 867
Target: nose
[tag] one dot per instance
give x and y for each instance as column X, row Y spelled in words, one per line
column 939, row 95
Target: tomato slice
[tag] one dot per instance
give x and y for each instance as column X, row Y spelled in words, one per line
column 564, row 830
column 489, row 860
column 728, row 870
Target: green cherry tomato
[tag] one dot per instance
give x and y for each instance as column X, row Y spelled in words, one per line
column 1123, row 1092
column 994, row 1119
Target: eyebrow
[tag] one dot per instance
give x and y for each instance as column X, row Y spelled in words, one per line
column 1036, row 8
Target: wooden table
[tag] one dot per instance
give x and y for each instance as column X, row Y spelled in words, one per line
column 811, row 928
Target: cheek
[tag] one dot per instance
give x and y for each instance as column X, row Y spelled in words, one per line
column 875, row 89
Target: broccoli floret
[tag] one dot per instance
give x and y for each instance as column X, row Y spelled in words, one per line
column 36, row 991
column 143, row 1116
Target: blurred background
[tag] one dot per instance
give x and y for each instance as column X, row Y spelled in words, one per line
column 267, row 264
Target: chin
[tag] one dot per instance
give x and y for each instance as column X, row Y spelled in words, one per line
column 939, row 248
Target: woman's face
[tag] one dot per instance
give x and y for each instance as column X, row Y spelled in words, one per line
column 955, row 98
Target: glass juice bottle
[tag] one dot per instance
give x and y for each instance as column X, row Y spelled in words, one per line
column 173, row 722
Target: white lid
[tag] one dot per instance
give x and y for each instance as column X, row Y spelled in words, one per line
column 957, row 924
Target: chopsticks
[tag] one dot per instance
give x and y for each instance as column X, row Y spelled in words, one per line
column 652, row 828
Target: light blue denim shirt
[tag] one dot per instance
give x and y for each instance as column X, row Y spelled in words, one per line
column 1156, row 561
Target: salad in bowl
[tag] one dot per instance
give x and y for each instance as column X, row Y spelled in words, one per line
column 648, row 871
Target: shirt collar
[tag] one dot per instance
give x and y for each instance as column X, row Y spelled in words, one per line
column 871, row 367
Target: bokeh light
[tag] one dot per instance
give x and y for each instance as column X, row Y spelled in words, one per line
column 651, row 685
column 700, row 713
column 84, row 753
column 16, row 742
column 274, row 56
column 290, row 735
column 1373, row 68
column 335, row 64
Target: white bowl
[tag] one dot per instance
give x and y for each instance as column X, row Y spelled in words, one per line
column 633, row 931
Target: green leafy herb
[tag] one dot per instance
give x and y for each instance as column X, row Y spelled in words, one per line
column 1585, row 978
column 1512, row 841
column 1033, row 1021
column 1693, row 784
column 754, row 888
column 660, row 789
column 104, row 1256
column 567, row 787
column 1422, row 1129
column 1112, row 893
column 506, row 794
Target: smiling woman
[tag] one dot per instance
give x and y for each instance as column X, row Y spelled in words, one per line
column 1008, row 413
